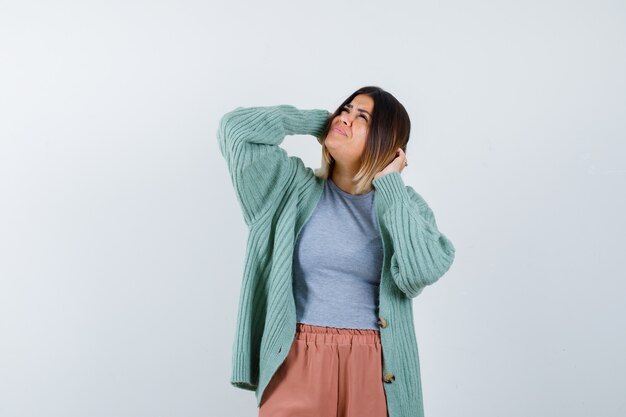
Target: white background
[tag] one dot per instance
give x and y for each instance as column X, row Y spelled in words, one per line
column 122, row 242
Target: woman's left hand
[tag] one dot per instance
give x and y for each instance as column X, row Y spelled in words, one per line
column 397, row 165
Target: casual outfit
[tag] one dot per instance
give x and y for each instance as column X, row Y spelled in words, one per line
column 325, row 314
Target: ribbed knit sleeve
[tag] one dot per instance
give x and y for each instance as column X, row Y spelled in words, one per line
column 261, row 170
column 421, row 254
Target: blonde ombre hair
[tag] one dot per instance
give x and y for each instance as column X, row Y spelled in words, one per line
column 389, row 130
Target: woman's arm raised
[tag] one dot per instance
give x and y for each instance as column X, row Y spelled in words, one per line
column 421, row 253
column 261, row 170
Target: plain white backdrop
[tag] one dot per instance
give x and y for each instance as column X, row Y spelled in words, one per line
column 122, row 242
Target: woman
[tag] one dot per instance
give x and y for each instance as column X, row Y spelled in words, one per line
column 334, row 259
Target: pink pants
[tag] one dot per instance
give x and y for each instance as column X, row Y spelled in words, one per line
column 328, row 372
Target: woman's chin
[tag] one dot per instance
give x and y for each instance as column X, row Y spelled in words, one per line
column 332, row 141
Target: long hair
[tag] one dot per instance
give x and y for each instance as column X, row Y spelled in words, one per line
column 389, row 130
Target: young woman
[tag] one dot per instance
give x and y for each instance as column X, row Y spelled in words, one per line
column 334, row 258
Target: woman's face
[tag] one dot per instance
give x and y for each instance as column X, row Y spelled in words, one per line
column 348, row 132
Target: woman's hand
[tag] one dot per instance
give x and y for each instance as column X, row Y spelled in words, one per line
column 397, row 165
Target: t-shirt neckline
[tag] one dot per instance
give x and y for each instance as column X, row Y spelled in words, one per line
column 342, row 192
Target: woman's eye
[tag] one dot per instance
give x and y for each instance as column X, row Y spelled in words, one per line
column 348, row 110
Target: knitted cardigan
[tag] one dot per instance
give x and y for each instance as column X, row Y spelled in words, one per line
column 277, row 194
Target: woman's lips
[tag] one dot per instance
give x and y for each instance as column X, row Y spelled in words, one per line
column 339, row 131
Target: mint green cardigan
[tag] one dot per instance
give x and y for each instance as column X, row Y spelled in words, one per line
column 277, row 194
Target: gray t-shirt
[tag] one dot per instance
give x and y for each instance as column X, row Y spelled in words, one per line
column 337, row 262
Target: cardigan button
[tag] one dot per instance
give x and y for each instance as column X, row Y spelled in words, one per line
column 382, row 322
column 389, row 377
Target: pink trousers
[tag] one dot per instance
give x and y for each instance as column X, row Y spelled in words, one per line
column 328, row 372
